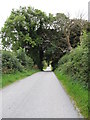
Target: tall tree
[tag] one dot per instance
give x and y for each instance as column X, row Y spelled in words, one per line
column 43, row 37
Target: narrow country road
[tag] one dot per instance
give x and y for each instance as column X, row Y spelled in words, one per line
column 38, row 96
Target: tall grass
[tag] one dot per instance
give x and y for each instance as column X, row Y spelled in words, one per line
column 77, row 92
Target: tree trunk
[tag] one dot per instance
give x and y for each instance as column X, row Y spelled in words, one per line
column 68, row 42
column 41, row 59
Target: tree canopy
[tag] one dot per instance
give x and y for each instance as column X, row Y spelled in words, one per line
column 44, row 37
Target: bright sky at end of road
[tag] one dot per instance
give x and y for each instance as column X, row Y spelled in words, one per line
column 73, row 7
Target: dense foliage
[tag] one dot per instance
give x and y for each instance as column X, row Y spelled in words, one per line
column 12, row 62
column 43, row 37
column 25, row 60
column 75, row 63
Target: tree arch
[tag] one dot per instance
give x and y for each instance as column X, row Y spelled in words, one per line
column 43, row 37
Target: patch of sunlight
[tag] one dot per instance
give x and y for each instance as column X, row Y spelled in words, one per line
column 49, row 68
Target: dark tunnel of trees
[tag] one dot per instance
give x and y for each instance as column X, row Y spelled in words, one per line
column 44, row 37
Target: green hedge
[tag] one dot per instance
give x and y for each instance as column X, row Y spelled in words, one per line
column 10, row 62
column 25, row 60
column 18, row 61
column 75, row 63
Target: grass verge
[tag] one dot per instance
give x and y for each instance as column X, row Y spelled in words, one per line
column 7, row 79
column 76, row 91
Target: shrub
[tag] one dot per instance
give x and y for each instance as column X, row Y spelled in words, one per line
column 25, row 60
column 30, row 62
column 10, row 62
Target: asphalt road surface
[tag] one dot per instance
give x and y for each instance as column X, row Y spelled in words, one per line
column 38, row 96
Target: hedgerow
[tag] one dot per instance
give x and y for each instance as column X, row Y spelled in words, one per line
column 75, row 63
column 12, row 61
column 25, row 60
